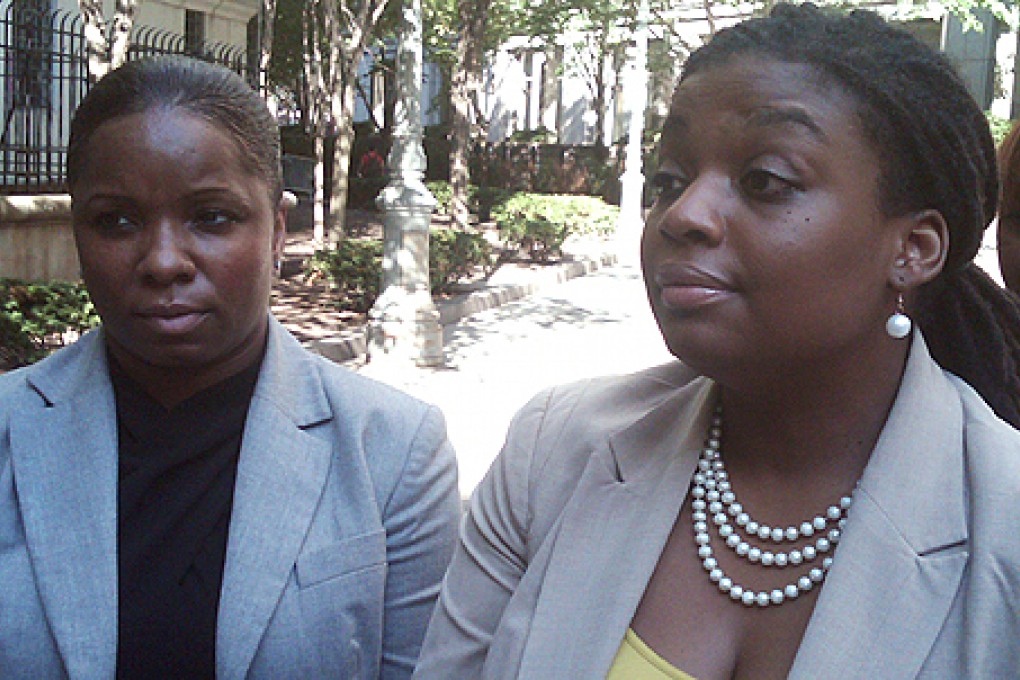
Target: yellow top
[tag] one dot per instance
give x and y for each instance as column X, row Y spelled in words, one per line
column 636, row 661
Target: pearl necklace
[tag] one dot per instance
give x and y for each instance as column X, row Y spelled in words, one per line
column 713, row 498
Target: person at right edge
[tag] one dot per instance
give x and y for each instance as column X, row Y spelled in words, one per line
column 817, row 488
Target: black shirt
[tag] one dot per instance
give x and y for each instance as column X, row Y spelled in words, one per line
column 176, row 486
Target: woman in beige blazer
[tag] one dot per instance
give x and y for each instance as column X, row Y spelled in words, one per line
column 809, row 494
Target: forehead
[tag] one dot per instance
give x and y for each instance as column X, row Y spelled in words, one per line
column 172, row 141
column 752, row 93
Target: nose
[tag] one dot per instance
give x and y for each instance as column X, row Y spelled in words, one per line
column 696, row 215
column 167, row 257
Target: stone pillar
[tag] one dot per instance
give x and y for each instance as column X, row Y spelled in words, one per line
column 404, row 322
column 632, row 181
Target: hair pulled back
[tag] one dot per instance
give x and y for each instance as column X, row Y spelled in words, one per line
column 936, row 152
column 209, row 91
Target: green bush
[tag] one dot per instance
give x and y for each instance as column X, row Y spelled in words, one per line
column 444, row 196
column 1000, row 126
column 34, row 318
column 455, row 255
column 539, row 223
column 353, row 269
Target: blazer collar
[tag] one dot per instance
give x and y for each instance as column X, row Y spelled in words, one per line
column 280, row 477
column 612, row 532
column 64, row 455
column 905, row 546
column 71, row 519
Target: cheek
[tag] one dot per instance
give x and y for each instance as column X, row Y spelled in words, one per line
column 104, row 266
column 243, row 273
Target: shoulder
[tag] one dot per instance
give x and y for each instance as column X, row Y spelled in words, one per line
column 369, row 426
column 992, row 449
column 991, row 468
column 554, row 436
column 581, row 415
column 61, row 375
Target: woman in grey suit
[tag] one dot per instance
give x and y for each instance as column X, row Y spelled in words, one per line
column 809, row 494
column 187, row 492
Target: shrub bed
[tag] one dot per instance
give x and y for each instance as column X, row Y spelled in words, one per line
column 36, row 318
column 353, row 268
column 538, row 224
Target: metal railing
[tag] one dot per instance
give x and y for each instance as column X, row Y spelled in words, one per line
column 43, row 78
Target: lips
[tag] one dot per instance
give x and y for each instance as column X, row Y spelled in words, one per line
column 172, row 319
column 685, row 288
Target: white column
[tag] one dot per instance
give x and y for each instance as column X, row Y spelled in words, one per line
column 404, row 322
column 635, row 97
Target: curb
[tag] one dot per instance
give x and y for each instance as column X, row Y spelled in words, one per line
column 493, row 294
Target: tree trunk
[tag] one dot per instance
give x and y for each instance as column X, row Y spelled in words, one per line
column 318, row 199
column 266, row 43
column 341, row 161
column 600, row 98
column 460, row 117
column 120, row 40
column 106, row 53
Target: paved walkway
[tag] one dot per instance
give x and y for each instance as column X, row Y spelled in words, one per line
column 497, row 359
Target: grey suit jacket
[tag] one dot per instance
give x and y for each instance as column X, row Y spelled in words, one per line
column 344, row 519
column 565, row 530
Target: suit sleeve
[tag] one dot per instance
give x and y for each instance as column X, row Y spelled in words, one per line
column 420, row 519
column 489, row 562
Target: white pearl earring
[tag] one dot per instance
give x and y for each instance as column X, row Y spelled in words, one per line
column 898, row 324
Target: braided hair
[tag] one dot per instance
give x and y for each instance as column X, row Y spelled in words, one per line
column 936, row 152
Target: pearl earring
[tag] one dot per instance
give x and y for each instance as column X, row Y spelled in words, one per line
column 898, row 325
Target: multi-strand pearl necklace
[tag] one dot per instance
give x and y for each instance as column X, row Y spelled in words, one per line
column 714, row 504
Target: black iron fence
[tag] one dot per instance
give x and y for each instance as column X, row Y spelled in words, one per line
column 43, row 77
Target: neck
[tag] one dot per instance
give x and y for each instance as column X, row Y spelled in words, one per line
column 814, row 434
column 169, row 385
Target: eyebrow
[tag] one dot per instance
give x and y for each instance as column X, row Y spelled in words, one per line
column 769, row 116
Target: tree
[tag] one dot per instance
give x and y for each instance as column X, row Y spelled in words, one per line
column 106, row 45
column 595, row 33
column 267, row 22
column 466, row 78
column 481, row 26
column 336, row 35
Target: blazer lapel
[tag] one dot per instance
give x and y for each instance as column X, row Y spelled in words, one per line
column 280, row 477
column 64, row 454
column 616, row 522
column 904, row 550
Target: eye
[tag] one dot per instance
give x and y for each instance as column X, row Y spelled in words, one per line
column 115, row 222
column 669, row 185
column 764, row 185
column 214, row 219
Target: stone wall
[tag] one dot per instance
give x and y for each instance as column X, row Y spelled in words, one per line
column 36, row 242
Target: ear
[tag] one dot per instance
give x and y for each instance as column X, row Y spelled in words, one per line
column 287, row 201
column 922, row 246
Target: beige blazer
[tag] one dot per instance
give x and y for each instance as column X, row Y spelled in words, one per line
column 566, row 528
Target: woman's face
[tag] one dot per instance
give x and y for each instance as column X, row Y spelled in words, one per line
column 766, row 248
column 176, row 240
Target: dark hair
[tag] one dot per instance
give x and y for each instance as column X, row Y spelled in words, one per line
column 936, row 152
column 209, row 91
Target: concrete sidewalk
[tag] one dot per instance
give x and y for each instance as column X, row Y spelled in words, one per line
column 497, row 359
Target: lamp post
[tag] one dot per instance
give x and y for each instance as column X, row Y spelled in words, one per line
column 632, row 181
column 404, row 322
